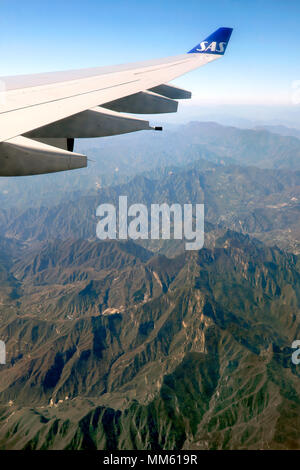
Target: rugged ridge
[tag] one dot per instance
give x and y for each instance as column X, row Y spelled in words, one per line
column 168, row 370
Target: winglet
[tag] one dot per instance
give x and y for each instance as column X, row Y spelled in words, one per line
column 216, row 43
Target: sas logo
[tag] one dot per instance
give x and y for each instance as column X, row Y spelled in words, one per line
column 212, row 47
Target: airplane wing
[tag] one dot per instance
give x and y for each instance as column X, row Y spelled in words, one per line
column 41, row 115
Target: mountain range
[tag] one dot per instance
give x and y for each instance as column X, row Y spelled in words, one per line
column 143, row 345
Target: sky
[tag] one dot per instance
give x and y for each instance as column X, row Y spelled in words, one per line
column 261, row 65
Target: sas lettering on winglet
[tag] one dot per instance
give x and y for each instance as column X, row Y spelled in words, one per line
column 212, row 47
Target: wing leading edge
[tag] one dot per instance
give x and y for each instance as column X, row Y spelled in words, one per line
column 50, row 110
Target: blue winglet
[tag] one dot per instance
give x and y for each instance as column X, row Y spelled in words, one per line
column 216, row 43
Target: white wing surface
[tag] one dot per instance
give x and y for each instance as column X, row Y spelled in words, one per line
column 41, row 115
